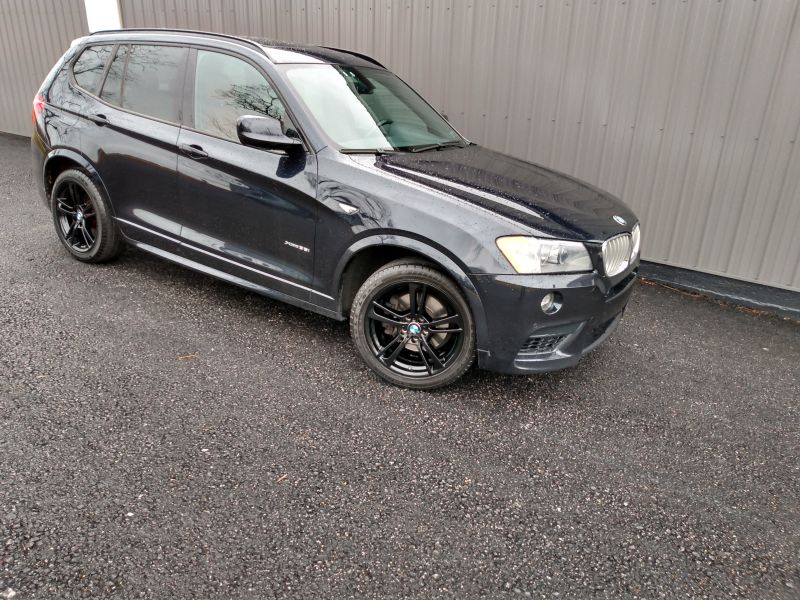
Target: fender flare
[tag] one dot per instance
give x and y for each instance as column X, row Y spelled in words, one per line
column 83, row 162
column 452, row 268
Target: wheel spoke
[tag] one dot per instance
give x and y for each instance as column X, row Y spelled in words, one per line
column 71, row 232
column 71, row 194
column 76, row 193
column 455, row 319
column 394, row 319
column 451, row 330
column 423, row 298
column 395, row 353
column 427, row 364
column 375, row 316
column 412, row 298
column 417, row 294
column 87, row 236
column 382, row 350
column 424, row 346
column 64, row 208
column 388, row 310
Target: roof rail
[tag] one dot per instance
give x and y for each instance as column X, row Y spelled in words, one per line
column 189, row 31
column 365, row 57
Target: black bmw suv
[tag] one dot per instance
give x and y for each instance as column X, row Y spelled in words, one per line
column 315, row 176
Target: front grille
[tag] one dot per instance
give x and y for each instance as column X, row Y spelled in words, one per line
column 542, row 344
column 617, row 254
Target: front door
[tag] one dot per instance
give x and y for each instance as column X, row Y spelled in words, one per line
column 247, row 211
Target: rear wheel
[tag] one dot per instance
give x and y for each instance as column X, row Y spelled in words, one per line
column 412, row 326
column 82, row 218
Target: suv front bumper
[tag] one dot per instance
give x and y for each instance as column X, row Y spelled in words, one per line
column 520, row 338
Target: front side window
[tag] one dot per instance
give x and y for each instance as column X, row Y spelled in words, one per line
column 147, row 80
column 368, row 108
column 89, row 67
column 227, row 88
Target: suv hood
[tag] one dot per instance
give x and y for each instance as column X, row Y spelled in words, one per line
column 545, row 200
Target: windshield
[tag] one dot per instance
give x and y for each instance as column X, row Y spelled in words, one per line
column 369, row 109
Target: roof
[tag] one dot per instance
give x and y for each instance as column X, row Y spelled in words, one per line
column 278, row 52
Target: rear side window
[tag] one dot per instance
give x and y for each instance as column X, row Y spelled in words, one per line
column 147, row 80
column 227, row 88
column 90, row 66
column 112, row 88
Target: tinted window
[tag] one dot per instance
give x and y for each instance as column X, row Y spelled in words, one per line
column 112, row 88
column 59, row 90
column 150, row 82
column 89, row 67
column 227, row 88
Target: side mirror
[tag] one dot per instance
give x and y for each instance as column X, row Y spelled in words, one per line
column 265, row 132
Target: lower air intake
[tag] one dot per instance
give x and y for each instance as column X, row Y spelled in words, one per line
column 542, row 344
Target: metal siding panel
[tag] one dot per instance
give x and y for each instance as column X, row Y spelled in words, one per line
column 631, row 59
column 739, row 171
column 598, row 91
column 503, row 82
column 781, row 264
column 773, row 158
column 655, row 108
column 580, row 64
column 686, row 91
column 33, row 35
column 727, row 67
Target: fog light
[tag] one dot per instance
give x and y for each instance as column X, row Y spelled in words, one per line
column 551, row 303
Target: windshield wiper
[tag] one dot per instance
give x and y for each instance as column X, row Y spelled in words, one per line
column 422, row 148
column 436, row 146
column 367, row 150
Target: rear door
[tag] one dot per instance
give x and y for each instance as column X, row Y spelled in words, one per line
column 247, row 211
column 132, row 138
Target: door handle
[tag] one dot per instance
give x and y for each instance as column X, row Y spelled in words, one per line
column 193, row 151
column 99, row 119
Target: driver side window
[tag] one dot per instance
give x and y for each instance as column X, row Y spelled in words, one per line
column 226, row 88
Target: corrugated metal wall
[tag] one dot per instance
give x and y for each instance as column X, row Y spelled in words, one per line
column 33, row 35
column 687, row 109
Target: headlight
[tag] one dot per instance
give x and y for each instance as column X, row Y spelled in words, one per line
column 636, row 238
column 532, row 255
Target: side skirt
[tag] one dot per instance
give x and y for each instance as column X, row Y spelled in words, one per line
column 254, row 287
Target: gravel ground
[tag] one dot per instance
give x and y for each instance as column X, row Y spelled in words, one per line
column 163, row 434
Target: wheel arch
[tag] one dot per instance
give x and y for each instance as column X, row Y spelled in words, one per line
column 59, row 160
column 369, row 254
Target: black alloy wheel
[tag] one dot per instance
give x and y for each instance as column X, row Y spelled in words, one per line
column 82, row 218
column 413, row 326
column 77, row 216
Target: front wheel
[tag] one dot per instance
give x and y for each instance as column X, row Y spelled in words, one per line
column 412, row 326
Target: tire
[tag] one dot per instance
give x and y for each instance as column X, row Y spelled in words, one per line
column 82, row 218
column 402, row 345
